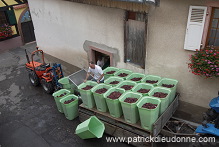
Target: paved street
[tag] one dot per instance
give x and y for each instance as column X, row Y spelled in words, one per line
column 28, row 116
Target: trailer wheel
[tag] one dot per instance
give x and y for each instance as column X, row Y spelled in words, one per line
column 34, row 78
column 47, row 86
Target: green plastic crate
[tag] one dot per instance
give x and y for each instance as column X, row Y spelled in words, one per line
column 91, row 128
column 130, row 110
column 70, row 109
column 99, row 99
column 142, row 86
column 123, row 71
column 106, row 76
column 152, row 78
column 66, row 84
column 164, row 101
column 173, row 89
column 114, row 105
column 111, row 79
column 126, row 82
column 57, row 99
column 135, row 75
column 87, row 95
column 148, row 116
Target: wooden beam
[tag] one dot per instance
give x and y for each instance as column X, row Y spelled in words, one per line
column 4, row 2
column 18, row 1
column 136, row 7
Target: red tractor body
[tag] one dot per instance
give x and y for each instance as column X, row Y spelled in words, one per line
column 43, row 73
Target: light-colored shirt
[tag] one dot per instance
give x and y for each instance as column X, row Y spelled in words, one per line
column 97, row 71
column 100, row 63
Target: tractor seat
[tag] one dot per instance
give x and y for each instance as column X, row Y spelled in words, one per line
column 42, row 67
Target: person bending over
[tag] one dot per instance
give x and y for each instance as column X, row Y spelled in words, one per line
column 96, row 71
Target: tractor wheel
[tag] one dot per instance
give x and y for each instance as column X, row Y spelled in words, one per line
column 34, row 79
column 47, row 86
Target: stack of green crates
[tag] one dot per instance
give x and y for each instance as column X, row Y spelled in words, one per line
column 87, row 95
column 108, row 69
column 164, row 101
column 171, row 82
column 136, row 75
column 123, row 71
column 70, row 109
column 142, row 86
column 111, row 79
column 66, row 84
column 152, row 78
column 58, row 95
column 148, row 116
column 117, row 107
column 99, row 98
column 130, row 110
column 114, row 105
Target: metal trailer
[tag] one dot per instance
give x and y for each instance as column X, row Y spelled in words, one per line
column 77, row 78
column 118, row 127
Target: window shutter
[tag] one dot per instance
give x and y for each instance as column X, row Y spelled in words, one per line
column 135, row 52
column 195, row 26
column 11, row 17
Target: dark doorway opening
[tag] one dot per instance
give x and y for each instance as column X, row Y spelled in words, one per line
column 27, row 28
column 104, row 59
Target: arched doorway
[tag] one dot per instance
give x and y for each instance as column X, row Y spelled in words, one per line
column 27, row 29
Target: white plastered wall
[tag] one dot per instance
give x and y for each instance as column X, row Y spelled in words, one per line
column 62, row 27
column 166, row 56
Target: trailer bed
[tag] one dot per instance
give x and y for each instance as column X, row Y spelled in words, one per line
column 118, row 127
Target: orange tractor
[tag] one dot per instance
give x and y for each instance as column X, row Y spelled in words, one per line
column 42, row 73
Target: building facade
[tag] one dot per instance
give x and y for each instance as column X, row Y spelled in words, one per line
column 15, row 17
column 147, row 38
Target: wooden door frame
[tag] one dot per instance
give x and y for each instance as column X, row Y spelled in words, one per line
column 210, row 24
column 19, row 26
column 210, row 5
column 92, row 54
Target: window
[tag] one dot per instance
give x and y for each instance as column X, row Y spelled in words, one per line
column 3, row 19
column 26, row 17
column 135, row 38
column 213, row 32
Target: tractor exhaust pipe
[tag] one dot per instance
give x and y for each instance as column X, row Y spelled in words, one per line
column 28, row 60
